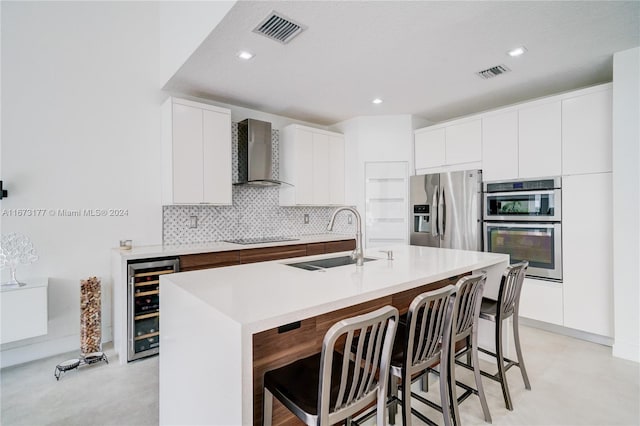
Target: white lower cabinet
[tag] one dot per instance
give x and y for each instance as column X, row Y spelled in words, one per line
column 542, row 301
column 24, row 311
column 584, row 299
column 588, row 253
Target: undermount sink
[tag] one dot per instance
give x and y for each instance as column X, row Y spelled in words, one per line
column 332, row 262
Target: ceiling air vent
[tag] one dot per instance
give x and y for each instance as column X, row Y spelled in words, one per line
column 493, row 71
column 279, row 28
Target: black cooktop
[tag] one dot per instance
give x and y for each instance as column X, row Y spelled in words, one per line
column 259, row 240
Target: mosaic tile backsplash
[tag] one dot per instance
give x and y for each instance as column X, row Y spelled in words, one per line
column 255, row 213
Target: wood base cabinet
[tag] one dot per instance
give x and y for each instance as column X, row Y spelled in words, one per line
column 192, row 262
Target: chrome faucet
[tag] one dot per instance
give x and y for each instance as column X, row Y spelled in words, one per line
column 357, row 253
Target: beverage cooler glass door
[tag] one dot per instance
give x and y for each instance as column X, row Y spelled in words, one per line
column 540, row 244
column 144, row 306
column 526, row 205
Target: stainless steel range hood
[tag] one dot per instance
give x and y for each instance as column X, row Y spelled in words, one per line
column 255, row 161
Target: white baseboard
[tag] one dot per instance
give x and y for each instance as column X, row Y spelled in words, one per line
column 44, row 349
column 558, row 329
column 626, row 350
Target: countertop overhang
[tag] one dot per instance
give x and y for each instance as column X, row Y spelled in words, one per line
column 154, row 251
column 265, row 295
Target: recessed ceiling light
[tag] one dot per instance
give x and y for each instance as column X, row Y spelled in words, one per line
column 245, row 55
column 518, row 51
column 377, row 101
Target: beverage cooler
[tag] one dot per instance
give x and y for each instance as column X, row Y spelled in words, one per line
column 143, row 307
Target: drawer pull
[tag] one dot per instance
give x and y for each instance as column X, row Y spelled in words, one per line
column 288, row 327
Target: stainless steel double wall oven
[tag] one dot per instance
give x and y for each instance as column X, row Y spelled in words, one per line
column 522, row 218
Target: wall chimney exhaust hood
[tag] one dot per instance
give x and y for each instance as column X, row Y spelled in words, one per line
column 255, row 162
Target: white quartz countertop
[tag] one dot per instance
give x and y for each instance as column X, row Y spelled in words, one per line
column 143, row 252
column 264, row 295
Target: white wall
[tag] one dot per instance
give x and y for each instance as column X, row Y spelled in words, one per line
column 626, row 203
column 183, row 27
column 80, row 130
column 374, row 138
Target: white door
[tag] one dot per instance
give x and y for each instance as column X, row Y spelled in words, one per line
column 587, row 133
column 500, row 146
column 588, row 253
column 336, row 170
column 464, row 142
column 216, row 157
column 187, row 154
column 429, row 148
column 321, row 169
column 539, row 137
column 303, row 164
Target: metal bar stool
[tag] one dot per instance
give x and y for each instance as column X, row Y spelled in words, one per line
column 465, row 327
column 335, row 384
column 423, row 342
column 507, row 305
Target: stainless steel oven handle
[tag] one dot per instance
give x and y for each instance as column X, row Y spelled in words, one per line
column 434, row 213
column 550, row 225
column 499, row 194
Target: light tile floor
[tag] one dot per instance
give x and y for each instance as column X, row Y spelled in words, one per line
column 573, row 383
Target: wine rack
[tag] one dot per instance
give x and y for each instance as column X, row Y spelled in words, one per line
column 144, row 306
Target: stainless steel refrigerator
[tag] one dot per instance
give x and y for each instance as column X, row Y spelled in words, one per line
column 446, row 210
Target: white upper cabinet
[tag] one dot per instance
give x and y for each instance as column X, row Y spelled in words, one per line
column 539, row 140
column 587, row 133
column 500, row 146
column 453, row 144
column 429, row 148
column 312, row 161
column 463, row 142
column 196, row 141
column 336, row 169
column 320, row 169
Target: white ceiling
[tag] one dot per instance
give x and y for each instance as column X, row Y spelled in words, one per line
column 420, row 57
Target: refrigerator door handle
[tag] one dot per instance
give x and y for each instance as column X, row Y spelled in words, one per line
column 434, row 219
column 442, row 206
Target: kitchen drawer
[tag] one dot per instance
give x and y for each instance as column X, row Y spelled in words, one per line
column 316, row 248
column 542, row 301
column 192, row 262
column 343, row 245
column 272, row 253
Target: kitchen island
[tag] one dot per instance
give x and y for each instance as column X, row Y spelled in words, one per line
column 222, row 328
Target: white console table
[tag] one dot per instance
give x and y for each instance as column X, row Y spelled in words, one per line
column 23, row 310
